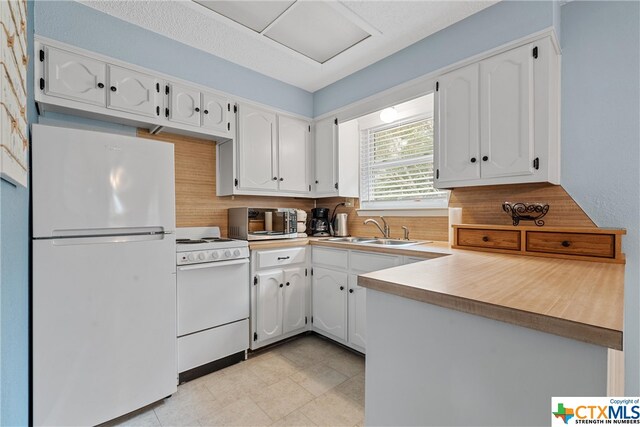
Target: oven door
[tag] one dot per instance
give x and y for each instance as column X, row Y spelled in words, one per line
column 212, row 294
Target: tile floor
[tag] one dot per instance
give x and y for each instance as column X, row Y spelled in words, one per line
column 304, row 382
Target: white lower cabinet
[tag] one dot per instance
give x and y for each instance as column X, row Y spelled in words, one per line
column 279, row 297
column 329, row 289
column 339, row 304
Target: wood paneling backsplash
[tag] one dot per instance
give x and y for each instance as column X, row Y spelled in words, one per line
column 197, row 204
column 483, row 205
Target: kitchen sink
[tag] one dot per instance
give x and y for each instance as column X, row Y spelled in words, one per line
column 393, row 242
column 352, row 239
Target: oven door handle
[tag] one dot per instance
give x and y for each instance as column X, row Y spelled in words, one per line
column 213, row 264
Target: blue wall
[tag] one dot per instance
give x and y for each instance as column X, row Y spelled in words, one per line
column 82, row 26
column 601, row 135
column 14, row 290
column 490, row 28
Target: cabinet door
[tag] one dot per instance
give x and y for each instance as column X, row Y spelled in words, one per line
column 74, row 77
column 256, row 149
column 293, row 154
column 269, row 304
column 330, row 302
column 184, row 105
column 295, row 299
column 456, row 113
column 357, row 313
column 506, row 113
column 132, row 92
column 215, row 113
column 326, row 139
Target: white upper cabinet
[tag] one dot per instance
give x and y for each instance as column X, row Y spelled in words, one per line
column 293, row 155
column 506, row 114
column 74, row 77
column 457, row 114
column 74, row 81
column 257, row 149
column 216, row 110
column 497, row 120
column 133, row 92
column 325, row 159
column 184, row 104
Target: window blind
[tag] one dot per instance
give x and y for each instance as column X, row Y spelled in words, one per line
column 396, row 163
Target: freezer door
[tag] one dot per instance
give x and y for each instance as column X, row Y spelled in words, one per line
column 104, row 327
column 85, row 180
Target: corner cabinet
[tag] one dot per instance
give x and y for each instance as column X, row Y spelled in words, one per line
column 74, row 81
column 279, row 295
column 336, row 158
column 497, row 120
column 270, row 157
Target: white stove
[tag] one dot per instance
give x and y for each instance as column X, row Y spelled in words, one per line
column 213, row 301
column 196, row 245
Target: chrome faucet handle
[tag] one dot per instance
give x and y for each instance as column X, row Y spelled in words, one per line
column 406, row 232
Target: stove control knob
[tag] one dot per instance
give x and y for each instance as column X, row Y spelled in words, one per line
column 191, row 257
column 236, row 252
column 215, row 255
column 201, row 257
column 227, row 253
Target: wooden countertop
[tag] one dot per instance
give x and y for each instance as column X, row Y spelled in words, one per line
column 582, row 300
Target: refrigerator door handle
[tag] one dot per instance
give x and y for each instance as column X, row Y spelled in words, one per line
column 105, row 232
column 114, row 238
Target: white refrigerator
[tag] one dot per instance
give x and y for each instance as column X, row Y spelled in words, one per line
column 104, row 275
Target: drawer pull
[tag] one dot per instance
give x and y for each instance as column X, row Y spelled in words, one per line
column 566, row 243
column 342, row 288
column 485, row 238
column 282, row 257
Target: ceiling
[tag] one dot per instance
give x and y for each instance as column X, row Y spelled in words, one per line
column 307, row 43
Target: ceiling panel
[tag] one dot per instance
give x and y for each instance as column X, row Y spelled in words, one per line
column 256, row 15
column 316, row 30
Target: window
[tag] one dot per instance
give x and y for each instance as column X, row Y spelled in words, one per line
column 396, row 162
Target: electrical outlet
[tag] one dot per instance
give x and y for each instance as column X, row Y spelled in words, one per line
column 348, row 203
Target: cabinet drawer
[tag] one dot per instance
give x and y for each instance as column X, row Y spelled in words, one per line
column 280, row 257
column 596, row 245
column 494, row 239
column 330, row 257
column 366, row 262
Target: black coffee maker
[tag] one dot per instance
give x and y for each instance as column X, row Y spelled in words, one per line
column 319, row 223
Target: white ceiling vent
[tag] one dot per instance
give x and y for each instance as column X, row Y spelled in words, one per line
column 316, row 29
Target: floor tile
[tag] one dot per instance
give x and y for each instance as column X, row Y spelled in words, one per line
column 272, row 369
column 318, row 379
column 147, row 418
column 294, row 419
column 242, row 412
column 346, row 362
column 353, row 388
column 333, row 409
column 282, row 398
column 231, row 386
column 191, row 402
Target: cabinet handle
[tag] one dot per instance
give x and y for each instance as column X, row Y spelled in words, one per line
column 275, row 178
column 281, row 285
column 206, row 111
column 113, row 89
column 288, row 283
column 282, row 257
column 197, row 109
column 342, row 288
column 316, row 181
column 485, row 158
column 566, row 243
column 350, row 291
column 485, row 238
column 281, row 179
column 473, row 160
column 100, row 85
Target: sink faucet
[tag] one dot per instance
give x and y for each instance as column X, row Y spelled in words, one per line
column 384, row 231
column 406, row 232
